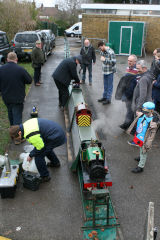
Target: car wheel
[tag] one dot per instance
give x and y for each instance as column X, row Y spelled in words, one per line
column 72, row 34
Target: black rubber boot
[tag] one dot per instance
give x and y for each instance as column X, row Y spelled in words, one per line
column 137, row 170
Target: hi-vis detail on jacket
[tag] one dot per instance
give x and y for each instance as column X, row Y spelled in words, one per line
column 31, row 133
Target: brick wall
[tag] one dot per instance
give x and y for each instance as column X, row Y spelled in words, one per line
column 96, row 26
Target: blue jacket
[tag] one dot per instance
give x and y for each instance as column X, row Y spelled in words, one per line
column 156, row 90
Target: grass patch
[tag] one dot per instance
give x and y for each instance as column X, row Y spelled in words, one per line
column 30, row 70
column 4, row 122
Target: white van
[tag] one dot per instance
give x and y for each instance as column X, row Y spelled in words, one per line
column 75, row 30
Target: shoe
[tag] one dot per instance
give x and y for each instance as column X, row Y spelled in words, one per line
column 137, row 159
column 133, row 143
column 124, row 126
column 50, row 164
column 45, row 179
column 37, row 84
column 16, row 142
column 101, row 100
column 106, row 102
column 41, row 82
column 90, row 84
column 137, row 170
column 82, row 82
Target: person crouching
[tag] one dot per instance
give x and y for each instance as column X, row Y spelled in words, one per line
column 44, row 135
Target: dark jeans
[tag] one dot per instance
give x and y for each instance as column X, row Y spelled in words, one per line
column 108, row 86
column 37, row 74
column 157, row 108
column 48, row 152
column 129, row 114
column 85, row 67
column 14, row 113
column 63, row 93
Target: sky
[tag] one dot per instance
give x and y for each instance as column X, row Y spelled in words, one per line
column 46, row 3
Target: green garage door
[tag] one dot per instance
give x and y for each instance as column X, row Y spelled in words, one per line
column 127, row 37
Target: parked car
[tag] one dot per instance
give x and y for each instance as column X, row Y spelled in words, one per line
column 24, row 42
column 4, row 47
column 75, row 30
column 51, row 37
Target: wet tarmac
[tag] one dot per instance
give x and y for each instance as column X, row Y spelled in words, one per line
column 54, row 212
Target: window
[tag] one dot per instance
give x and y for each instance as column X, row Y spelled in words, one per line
column 29, row 38
column 140, row 12
column 76, row 28
column 1, row 40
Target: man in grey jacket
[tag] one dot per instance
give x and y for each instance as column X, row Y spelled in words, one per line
column 143, row 90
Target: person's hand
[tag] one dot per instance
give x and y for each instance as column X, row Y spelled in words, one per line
column 103, row 59
column 29, row 159
column 138, row 113
column 154, row 82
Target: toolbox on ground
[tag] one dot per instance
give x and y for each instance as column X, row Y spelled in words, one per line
column 31, row 180
column 8, row 179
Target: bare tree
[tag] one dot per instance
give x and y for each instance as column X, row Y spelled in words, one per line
column 15, row 17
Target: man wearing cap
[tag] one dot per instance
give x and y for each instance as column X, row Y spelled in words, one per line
column 144, row 129
column 37, row 61
column 64, row 73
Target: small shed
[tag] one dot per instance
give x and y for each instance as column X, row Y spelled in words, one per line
column 127, row 37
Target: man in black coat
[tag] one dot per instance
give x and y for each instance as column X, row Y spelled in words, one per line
column 88, row 56
column 12, row 87
column 64, row 73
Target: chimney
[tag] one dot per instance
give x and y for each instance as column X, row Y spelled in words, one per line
column 42, row 6
column 56, row 6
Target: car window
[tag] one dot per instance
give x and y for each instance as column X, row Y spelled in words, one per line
column 30, row 38
column 3, row 39
column 76, row 28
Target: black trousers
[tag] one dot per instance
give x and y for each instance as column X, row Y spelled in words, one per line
column 37, row 74
column 63, row 93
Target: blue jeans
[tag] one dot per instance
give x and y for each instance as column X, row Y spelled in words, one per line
column 49, row 153
column 85, row 67
column 14, row 113
column 108, row 86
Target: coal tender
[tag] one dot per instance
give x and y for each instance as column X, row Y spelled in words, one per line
column 8, row 179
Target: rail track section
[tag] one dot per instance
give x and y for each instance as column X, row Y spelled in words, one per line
column 87, row 158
